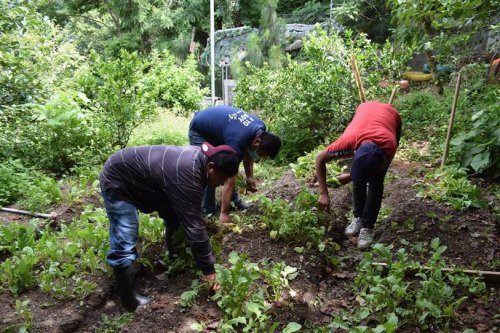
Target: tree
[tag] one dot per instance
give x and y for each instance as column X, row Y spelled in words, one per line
column 439, row 28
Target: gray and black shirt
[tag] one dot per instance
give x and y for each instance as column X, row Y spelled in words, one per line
column 166, row 179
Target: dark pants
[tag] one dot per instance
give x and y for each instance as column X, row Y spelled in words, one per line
column 367, row 198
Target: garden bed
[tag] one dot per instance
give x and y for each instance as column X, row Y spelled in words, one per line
column 320, row 290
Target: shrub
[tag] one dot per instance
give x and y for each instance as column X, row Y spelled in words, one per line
column 313, row 100
column 477, row 147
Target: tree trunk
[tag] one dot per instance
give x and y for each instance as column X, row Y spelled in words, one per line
column 145, row 43
column 431, row 61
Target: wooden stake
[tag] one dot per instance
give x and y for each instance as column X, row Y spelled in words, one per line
column 393, row 95
column 452, row 119
column 357, row 78
column 489, row 276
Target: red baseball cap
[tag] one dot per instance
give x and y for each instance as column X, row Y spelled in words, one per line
column 210, row 150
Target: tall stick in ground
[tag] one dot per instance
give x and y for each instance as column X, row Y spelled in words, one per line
column 452, row 119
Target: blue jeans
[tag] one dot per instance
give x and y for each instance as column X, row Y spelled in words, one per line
column 123, row 231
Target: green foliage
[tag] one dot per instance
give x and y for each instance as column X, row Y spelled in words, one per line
column 31, row 189
column 59, row 261
column 312, row 101
column 277, row 277
column 285, row 223
column 389, row 300
column 18, row 271
column 477, row 147
column 424, row 109
column 305, row 168
column 123, row 96
column 112, row 325
column 244, row 303
column 15, row 237
column 67, row 135
column 177, row 85
column 451, row 186
column 188, row 298
column 23, row 312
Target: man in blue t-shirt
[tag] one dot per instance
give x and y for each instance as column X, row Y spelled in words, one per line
column 247, row 134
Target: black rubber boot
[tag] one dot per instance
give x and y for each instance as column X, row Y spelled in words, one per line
column 169, row 242
column 237, row 203
column 125, row 283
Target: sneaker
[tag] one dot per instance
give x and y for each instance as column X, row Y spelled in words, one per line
column 353, row 228
column 365, row 238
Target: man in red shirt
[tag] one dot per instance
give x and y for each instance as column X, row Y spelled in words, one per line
column 371, row 138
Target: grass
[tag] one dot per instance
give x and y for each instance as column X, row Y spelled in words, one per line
column 165, row 129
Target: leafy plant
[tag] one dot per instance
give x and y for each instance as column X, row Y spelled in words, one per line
column 111, row 325
column 277, row 276
column 477, row 148
column 189, row 297
column 23, row 311
column 285, row 223
column 241, row 303
column 451, row 186
column 389, row 300
column 31, row 189
column 305, row 169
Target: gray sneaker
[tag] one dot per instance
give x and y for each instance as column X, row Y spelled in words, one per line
column 365, row 238
column 353, row 228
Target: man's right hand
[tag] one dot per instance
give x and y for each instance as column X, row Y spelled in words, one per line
column 224, row 217
column 212, row 282
column 324, row 202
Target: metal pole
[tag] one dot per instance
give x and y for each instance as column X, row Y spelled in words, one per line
column 212, row 50
column 331, row 13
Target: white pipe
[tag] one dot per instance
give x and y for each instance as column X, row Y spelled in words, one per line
column 212, row 50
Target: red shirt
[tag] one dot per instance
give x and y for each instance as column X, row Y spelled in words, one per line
column 374, row 122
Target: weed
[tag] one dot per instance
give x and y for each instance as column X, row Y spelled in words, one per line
column 388, row 299
column 111, row 325
column 285, row 223
column 451, row 186
column 189, row 297
column 23, row 312
column 277, row 276
column 305, row 170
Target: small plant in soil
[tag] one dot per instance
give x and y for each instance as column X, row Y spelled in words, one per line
column 450, row 185
column 111, row 325
column 390, row 298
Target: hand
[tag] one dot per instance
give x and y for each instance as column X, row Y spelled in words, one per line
column 324, row 202
column 251, row 185
column 344, row 178
column 212, row 282
column 224, row 217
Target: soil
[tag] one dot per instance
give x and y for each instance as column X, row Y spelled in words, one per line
column 471, row 237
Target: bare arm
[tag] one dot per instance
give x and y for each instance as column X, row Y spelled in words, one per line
column 227, row 191
column 324, row 198
column 250, row 181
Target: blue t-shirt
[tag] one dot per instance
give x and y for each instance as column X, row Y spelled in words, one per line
column 226, row 125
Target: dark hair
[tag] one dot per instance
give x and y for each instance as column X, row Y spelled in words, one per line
column 225, row 162
column 269, row 144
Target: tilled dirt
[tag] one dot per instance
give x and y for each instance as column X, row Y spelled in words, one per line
column 471, row 237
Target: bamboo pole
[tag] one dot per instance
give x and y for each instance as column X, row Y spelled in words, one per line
column 393, row 95
column 452, row 119
column 357, row 78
